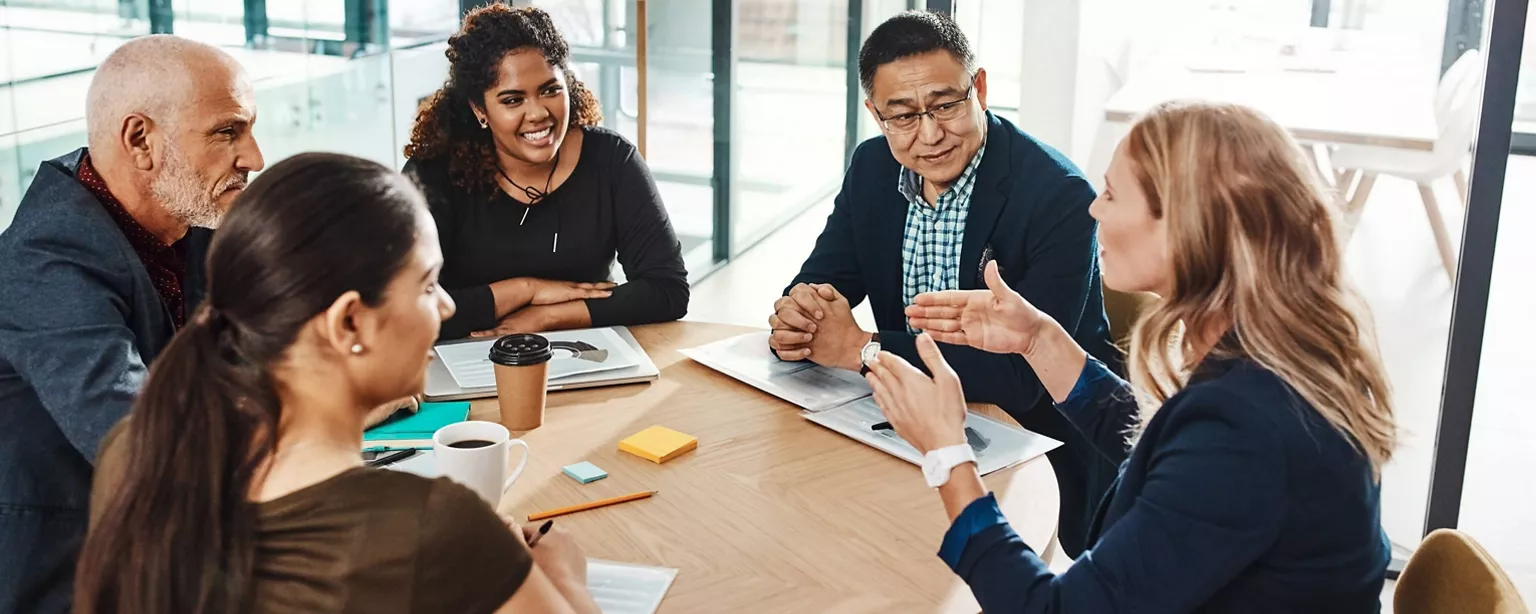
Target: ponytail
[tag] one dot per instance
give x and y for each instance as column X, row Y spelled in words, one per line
column 177, row 533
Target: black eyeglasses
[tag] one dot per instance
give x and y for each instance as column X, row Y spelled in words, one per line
column 944, row 112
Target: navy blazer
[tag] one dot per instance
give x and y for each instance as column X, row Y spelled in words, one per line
column 1029, row 205
column 1029, row 211
column 79, row 322
column 1239, row 497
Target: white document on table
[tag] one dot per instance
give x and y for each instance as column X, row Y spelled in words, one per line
column 622, row 588
column 811, row 387
column 423, row 463
column 576, row 352
column 997, row 445
column 841, row 400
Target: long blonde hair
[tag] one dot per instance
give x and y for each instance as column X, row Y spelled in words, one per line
column 1252, row 244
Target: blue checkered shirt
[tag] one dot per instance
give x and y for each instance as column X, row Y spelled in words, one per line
column 930, row 251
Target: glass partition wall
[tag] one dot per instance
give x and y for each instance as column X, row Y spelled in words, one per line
column 748, row 103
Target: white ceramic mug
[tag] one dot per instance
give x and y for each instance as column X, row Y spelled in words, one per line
column 484, row 469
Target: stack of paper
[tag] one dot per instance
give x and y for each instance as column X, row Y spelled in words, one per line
column 658, row 444
column 841, row 401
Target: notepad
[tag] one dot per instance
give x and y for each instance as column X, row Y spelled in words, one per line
column 415, row 430
column 423, row 464
column 622, row 588
column 584, row 472
column 658, row 444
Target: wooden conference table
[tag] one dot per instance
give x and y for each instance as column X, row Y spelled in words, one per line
column 771, row 513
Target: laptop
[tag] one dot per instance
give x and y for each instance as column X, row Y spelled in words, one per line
column 442, row 386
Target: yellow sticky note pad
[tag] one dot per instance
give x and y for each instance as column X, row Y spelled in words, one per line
column 658, row 444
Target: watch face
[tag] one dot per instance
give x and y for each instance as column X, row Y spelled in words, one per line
column 870, row 351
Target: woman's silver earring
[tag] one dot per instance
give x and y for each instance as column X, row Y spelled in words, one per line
column 484, row 124
column 357, row 348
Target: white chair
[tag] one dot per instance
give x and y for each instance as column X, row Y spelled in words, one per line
column 1456, row 107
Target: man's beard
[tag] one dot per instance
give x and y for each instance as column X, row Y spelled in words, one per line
column 180, row 189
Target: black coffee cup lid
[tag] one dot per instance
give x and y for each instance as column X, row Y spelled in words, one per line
column 520, row 350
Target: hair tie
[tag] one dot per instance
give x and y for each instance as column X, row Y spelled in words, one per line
column 210, row 317
column 223, row 331
column 216, row 322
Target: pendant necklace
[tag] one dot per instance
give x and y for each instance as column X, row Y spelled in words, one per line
column 534, row 194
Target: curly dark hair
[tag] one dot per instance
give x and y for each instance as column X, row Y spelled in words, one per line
column 445, row 125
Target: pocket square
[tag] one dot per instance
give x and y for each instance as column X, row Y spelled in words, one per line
column 981, row 269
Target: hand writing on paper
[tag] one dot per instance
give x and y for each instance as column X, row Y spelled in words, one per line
column 996, row 320
column 559, row 556
column 927, row 412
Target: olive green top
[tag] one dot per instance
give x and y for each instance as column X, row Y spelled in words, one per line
column 371, row 541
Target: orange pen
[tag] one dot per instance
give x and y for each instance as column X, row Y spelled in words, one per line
column 590, row 505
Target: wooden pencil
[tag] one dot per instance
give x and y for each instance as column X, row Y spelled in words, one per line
column 590, row 505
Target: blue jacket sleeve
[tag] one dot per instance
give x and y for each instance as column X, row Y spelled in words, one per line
column 65, row 331
column 1214, row 502
column 1061, row 254
column 1103, row 408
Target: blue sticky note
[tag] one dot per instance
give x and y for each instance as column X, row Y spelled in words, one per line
column 584, row 472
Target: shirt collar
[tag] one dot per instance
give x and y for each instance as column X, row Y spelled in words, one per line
column 910, row 184
column 141, row 239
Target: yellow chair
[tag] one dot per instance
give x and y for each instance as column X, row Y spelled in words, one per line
column 1123, row 308
column 1451, row 574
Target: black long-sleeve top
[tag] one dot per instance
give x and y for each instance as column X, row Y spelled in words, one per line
column 609, row 207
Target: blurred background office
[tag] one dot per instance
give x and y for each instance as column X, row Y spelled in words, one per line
column 751, row 109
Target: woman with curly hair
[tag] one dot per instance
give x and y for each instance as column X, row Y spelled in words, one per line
column 533, row 200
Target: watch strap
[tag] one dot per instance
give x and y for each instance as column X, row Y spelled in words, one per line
column 946, row 459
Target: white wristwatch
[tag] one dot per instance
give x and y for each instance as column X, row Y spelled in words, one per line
column 868, row 353
column 938, row 463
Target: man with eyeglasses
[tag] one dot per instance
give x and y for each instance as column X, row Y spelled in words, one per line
column 948, row 189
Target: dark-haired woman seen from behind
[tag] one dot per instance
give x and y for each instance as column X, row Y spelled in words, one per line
column 533, row 200
column 236, row 484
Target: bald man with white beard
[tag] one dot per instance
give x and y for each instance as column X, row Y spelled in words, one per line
column 103, row 263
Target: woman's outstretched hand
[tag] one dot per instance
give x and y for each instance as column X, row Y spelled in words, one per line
column 996, row 320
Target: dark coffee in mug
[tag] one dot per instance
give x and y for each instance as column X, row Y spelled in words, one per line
column 471, row 444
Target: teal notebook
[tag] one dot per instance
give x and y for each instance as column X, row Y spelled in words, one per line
column 414, row 431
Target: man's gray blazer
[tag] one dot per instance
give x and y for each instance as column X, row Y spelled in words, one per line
column 79, row 322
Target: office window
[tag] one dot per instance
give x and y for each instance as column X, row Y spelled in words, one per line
column 790, row 110
column 1362, row 91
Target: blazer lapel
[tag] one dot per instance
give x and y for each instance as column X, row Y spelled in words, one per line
column 888, row 227
column 988, row 199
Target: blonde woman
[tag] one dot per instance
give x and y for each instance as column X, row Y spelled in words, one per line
column 1256, row 421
